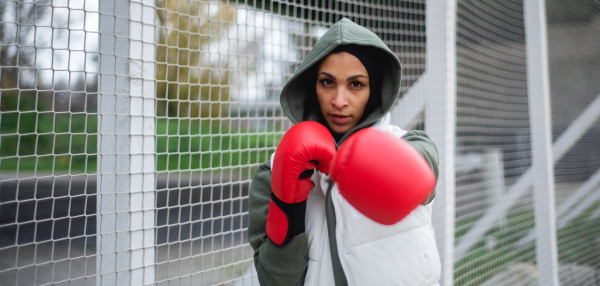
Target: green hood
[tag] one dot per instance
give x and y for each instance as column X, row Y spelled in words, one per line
column 297, row 95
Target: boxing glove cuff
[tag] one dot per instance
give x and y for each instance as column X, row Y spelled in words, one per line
column 284, row 220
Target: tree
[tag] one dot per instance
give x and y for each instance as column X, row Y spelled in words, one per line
column 17, row 40
column 192, row 75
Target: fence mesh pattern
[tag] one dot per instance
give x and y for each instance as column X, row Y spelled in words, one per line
column 220, row 68
column 494, row 147
column 492, row 131
column 130, row 132
column 48, row 127
column 572, row 28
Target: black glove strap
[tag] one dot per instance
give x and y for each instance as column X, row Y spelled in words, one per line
column 295, row 213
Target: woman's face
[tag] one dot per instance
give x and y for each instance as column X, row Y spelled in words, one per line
column 342, row 90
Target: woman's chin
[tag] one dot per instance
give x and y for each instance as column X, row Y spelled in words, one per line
column 339, row 129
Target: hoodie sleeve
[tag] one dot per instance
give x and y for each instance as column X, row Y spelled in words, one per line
column 275, row 265
column 426, row 147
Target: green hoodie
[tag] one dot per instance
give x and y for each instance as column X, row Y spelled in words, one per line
column 287, row 264
column 302, row 84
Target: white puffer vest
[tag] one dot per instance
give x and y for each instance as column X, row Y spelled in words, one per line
column 370, row 253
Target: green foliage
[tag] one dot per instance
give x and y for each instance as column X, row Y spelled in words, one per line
column 190, row 144
column 34, row 139
column 188, row 81
column 576, row 243
column 497, row 250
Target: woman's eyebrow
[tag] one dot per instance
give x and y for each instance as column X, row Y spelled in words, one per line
column 351, row 78
column 327, row 75
column 355, row 77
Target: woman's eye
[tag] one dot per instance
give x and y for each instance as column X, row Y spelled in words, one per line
column 326, row 82
column 356, row 84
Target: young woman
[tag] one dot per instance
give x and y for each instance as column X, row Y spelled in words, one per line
column 363, row 217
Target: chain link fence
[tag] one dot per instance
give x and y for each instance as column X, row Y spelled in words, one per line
column 130, row 131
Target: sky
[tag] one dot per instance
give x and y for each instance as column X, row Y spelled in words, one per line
column 258, row 49
column 277, row 50
column 65, row 40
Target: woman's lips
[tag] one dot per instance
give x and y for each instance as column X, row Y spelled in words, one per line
column 339, row 118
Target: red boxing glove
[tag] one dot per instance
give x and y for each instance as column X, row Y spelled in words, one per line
column 305, row 146
column 382, row 176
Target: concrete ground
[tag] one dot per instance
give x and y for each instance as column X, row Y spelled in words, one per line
column 48, row 231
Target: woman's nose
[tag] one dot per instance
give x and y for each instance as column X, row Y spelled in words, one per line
column 339, row 100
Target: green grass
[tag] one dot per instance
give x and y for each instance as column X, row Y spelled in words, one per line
column 184, row 144
column 485, row 258
column 576, row 243
column 65, row 142
column 48, row 141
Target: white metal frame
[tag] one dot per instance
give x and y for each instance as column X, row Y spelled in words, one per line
column 434, row 94
column 538, row 94
column 436, row 89
column 562, row 144
column 568, row 209
column 126, row 144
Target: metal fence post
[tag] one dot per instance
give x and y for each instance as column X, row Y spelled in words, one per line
column 440, row 122
column 538, row 89
column 125, row 205
column 142, row 129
